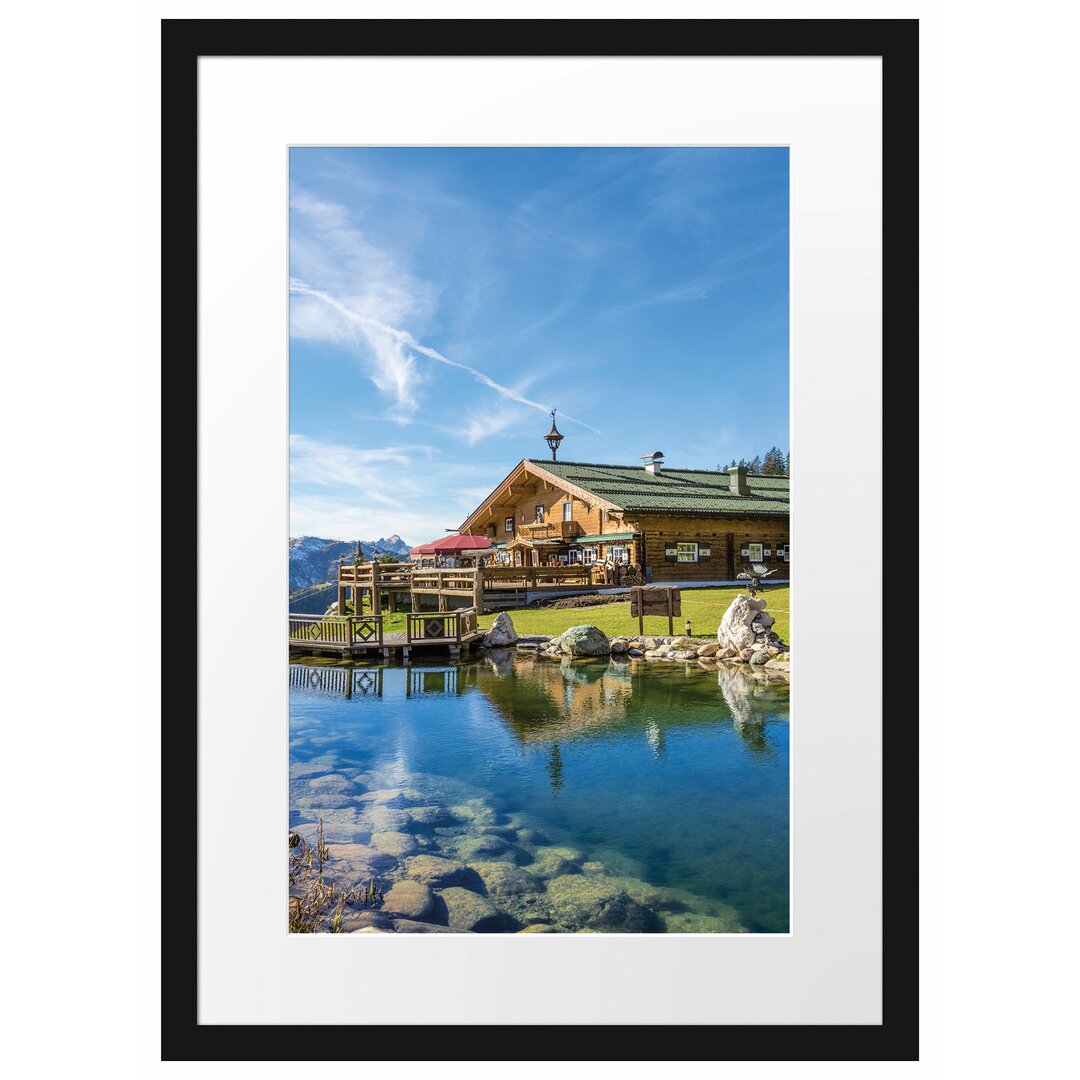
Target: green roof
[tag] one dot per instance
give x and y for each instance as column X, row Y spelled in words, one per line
column 681, row 491
column 602, row 537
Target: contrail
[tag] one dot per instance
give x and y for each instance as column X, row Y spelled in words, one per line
column 297, row 286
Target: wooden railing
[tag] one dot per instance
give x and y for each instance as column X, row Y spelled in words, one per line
column 532, row 577
column 457, row 580
column 440, row 625
column 387, row 574
column 336, row 629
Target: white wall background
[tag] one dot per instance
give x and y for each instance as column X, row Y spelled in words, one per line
column 999, row 229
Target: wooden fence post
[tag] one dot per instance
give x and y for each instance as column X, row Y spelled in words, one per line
column 376, row 590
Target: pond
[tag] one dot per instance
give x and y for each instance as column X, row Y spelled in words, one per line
column 605, row 796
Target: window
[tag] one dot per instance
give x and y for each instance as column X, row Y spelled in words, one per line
column 539, row 518
column 686, row 552
column 588, row 556
column 754, row 552
column 574, row 556
column 785, row 552
column 617, row 553
column 508, row 525
column 568, row 511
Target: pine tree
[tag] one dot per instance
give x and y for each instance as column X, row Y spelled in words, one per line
column 787, row 464
column 773, row 465
column 755, row 466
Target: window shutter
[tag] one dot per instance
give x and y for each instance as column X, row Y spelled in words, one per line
column 671, row 553
column 766, row 552
column 745, row 552
column 704, row 554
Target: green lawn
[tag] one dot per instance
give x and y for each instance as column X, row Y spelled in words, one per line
column 703, row 607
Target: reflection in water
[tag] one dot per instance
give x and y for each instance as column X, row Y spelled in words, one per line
column 555, row 767
column 662, row 772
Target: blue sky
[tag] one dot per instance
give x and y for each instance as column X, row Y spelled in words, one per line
column 443, row 299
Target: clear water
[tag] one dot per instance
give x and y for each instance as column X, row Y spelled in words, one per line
column 672, row 774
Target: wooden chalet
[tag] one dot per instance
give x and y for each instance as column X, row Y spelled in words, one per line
column 673, row 524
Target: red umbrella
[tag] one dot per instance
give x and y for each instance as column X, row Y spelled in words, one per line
column 423, row 549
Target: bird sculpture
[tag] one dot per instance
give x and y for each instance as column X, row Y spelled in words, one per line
column 755, row 577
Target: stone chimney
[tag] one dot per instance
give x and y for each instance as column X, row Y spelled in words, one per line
column 737, row 476
column 654, row 462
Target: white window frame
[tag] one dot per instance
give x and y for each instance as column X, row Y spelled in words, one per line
column 686, row 551
column 785, row 552
column 588, row 556
column 573, row 557
column 619, row 554
column 568, row 511
column 760, row 556
column 540, row 513
column 508, row 524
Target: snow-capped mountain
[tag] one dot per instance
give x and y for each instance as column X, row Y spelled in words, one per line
column 313, row 559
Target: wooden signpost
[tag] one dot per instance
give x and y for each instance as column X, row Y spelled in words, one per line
column 655, row 600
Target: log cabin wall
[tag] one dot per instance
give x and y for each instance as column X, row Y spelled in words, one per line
column 725, row 538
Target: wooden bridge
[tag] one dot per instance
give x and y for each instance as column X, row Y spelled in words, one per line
column 365, row 637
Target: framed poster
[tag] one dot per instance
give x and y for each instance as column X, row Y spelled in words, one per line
column 374, row 265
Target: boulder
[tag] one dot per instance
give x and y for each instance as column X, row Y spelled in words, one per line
column 353, row 921
column 539, row 928
column 502, row 632
column 711, row 649
column 411, row 900
column 584, row 641
column 635, row 653
column 411, row 926
column 552, row 862
column 735, row 628
column 431, row 816
column 506, row 879
column 484, row 848
column 760, row 657
column 619, row 645
column 681, row 654
column 394, row 843
column 436, row 872
column 469, row 911
column 582, row 902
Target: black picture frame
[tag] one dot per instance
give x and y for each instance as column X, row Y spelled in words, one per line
column 182, row 43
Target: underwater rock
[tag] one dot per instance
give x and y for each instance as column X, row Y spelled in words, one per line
column 595, row 903
column 394, row 843
column 695, row 922
column 467, row 910
column 584, row 641
column 531, row 837
column 384, row 819
column 539, row 928
column 411, row 900
column 502, row 632
column 505, row 879
column 353, row 921
column 360, row 860
column 483, row 847
column 438, row 872
column 431, row 816
column 394, row 798
column 411, row 926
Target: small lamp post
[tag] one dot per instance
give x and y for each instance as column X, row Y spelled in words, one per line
column 553, row 437
column 688, row 632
